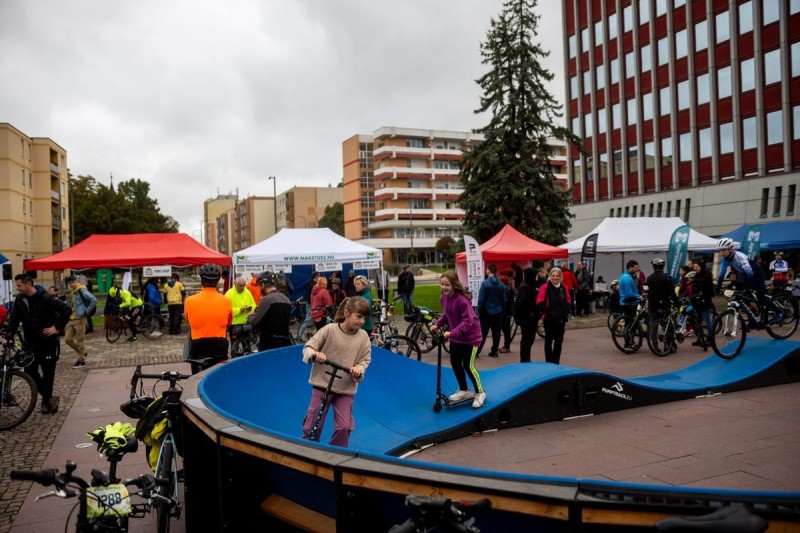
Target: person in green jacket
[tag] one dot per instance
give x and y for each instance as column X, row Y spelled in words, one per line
column 365, row 291
column 242, row 301
column 129, row 303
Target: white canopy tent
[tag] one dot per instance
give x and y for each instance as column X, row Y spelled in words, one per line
column 297, row 252
column 641, row 238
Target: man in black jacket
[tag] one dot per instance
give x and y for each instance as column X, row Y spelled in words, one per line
column 526, row 313
column 660, row 291
column 271, row 317
column 41, row 316
column 405, row 287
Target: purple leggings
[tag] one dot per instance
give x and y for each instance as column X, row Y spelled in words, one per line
column 343, row 422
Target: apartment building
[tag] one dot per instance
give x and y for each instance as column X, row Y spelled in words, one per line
column 302, row 207
column 212, row 209
column 401, row 186
column 687, row 108
column 34, row 198
column 254, row 219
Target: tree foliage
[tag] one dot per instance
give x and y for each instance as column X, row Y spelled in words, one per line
column 507, row 178
column 97, row 208
column 333, row 218
column 444, row 246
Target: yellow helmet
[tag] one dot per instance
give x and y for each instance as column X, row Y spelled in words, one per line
column 112, row 291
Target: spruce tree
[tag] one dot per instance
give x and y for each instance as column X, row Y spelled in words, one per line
column 506, row 177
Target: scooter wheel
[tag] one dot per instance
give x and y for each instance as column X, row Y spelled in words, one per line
column 437, row 407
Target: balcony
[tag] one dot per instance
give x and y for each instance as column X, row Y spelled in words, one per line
column 395, row 193
column 54, row 169
column 406, row 152
column 56, row 222
column 406, row 213
column 57, row 248
column 55, row 195
column 408, row 172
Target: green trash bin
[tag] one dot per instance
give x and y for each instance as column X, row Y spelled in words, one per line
column 105, row 279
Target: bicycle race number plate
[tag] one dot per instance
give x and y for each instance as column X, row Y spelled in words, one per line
column 112, row 500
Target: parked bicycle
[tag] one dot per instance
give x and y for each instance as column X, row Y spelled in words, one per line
column 744, row 315
column 243, row 340
column 419, row 329
column 152, row 326
column 666, row 331
column 628, row 333
column 385, row 335
column 164, row 411
column 17, row 389
column 427, row 513
column 539, row 328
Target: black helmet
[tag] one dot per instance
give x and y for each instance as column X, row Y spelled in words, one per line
column 336, row 281
column 267, row 278
column 209, row 274
column 657, row 263
column 137, row 407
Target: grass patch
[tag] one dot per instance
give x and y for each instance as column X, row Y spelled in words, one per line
column 424, row 295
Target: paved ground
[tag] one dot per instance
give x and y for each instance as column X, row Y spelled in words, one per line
column 743, row 440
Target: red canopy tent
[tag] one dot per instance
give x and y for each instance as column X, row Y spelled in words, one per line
column 511, row 245
column 131, row 251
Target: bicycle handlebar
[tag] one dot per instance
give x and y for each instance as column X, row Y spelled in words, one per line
column 335, row 365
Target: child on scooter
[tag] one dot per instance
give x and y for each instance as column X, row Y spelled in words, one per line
column 464, row 332
column 345, row 343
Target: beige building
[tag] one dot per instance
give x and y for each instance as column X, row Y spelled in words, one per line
column 401, row 186
column 254, row 221
column 225, row 228
column 212, row 209
column 302, row 207
column 34, row 198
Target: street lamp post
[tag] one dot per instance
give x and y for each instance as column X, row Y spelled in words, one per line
column 275, row 199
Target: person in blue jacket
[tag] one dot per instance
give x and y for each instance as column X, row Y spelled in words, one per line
column 491, row 304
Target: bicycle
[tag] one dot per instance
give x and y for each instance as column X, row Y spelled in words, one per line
column 664, row 332
column 244, row 340
column 386, row 336
column 17, row 389
column 166, row 498
column 151, row 326
column 428, row 512
column 104, row 503
column 631, row 329
column 515, row 328
column 419, row 329
column 744, row 315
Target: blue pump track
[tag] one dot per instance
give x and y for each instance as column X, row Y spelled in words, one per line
column 393, row 409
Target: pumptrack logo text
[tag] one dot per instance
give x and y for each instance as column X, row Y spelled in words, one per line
column 617, row 390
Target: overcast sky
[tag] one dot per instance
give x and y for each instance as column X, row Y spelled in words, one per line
column 200, row 98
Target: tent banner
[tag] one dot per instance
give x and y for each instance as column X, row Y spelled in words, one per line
column 328, row 266
column 752, row 245
column 366, row 265
column 589, row 253
column 163, row 271
column 247, row 270
column 678, row 251
column 474, row 267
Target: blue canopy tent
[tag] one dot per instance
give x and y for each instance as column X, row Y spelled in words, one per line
column 774, row 235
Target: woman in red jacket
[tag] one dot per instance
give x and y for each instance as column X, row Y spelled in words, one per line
column 320, row 301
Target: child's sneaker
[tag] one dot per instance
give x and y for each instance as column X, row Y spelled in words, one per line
column 461, row 396
column 479, row 399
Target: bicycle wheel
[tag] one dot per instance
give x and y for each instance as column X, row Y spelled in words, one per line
column 540, row 328
column 628, row 337
column 164, row 471
column 661, row 336
column 513, row 327
column 152, row 326
column 402, row 345
column 728, row 343
column 17, row 398
column 423, row 339
column 441, row 338
column 786, row 327
column 113, row 334
column 239, row 347
column 612, row 319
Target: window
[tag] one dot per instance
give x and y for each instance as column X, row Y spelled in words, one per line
column 704, row 138
column 616, row 121
column 612, row 26
column 661, row 8
column 633, row 154
column 796, row 122
column 598, row 32
column 618, row 162
column 627, row 210
column 748, row 72
column 776, row 206
column 627, row 19
column 413, row 142
column 749, row 133
column 723, row 24
column 683, row 95
column 573, row 87
column 644, row 11
column 772, row 67
column 790, row 199
column 677, row 208
column 577, row 173
column 686, row 147
column 576, row 126
column 604, row 165
column 663, row 51
column 646, row 62
column 746, row 17
column 764, row 202
column 666, row 151
column 795, row 59
column 631, row 112
column 587, row 81
column 601, row 120
column 701, row 35
column 658, row 209
column 771, row 11
column 634, row 209
column 724, row 82
column 726, row 138
column 587, row 125
column 600, row 76
column 614, row 70
column 630, row 66
column 681, row 48
column 775, row 127
column 679, row 3
column 573, row 45
column 647, row 106
column 687, row 210
column 585, row 40
column 703, row 96
column 669, row 209
column 794, row 7
column 664, row 100
column 649, row 155
column 650, row 213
